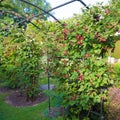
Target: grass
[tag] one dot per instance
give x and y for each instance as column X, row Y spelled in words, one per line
column 8, row 112
column 116, row 53
column 38, row 112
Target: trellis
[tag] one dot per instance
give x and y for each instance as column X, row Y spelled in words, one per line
column 48, row 12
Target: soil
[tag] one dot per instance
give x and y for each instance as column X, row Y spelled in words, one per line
column 19, row 100
column 4, row 89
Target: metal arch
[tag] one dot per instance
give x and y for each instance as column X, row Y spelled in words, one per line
column 43, row 13
column 47, row 12
column 61, row 5
column 41, row 9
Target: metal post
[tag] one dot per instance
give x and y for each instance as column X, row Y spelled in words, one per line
column 83, row 4
column 49, row 89
column 101, row 107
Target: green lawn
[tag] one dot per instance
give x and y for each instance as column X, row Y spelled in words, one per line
column 8, row 112
column 38, row 112
column 116, row 53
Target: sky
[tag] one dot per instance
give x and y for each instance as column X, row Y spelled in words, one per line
column 72, row 8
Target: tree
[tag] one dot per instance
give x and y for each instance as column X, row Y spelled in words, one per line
column 25, row 9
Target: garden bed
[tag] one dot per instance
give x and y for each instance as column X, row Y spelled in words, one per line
column 19, row 100
column 4, row 89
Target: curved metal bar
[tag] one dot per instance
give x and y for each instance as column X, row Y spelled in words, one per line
column 47, row 12
column 59, row 7
column 51, row 10
column 35, row 25
column 41, row 10
column 64, row 5
column 20, row 17
column 83, row 4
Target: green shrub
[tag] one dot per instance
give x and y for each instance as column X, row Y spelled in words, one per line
column 117, row 74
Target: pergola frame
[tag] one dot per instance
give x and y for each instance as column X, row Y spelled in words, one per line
column 48, row 13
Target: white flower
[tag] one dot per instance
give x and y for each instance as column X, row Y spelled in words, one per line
column 30, row 55
column 117, row 33
column 101, row 17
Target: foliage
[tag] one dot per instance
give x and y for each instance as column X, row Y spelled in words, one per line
column 82, row 69
column 21, row 58
column 5, row 21
column 22, row 8
column 30, row 58
column 75, row 53
column 18, row 12
column 23, row 113
column 117, row 74
column 9, row 62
